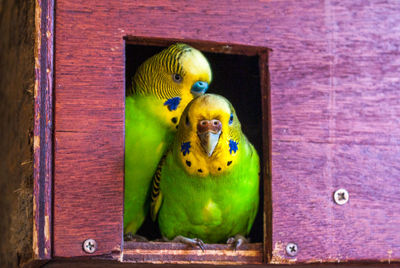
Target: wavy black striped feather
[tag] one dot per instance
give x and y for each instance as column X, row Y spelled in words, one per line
column 154, row 76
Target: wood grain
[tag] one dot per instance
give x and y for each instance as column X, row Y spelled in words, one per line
column 66, row 263
column 17, row 79
column 204, row 46
column 335, row 125
column 334, row 105
column 43, row 129
column 177, row 253
column 266, row 141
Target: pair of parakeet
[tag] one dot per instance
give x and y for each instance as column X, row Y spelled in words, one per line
column 187, row 161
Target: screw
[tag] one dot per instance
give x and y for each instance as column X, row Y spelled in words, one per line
column 89, row 246
column 292, row 249
column 341, row 196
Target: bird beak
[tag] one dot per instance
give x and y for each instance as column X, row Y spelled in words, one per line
column 209, row 132
column 199, row 88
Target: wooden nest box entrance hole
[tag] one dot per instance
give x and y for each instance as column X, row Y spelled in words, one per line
column 240, row 74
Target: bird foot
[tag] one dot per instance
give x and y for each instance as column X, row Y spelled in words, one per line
column 236, row 241
column 135, row 238
column 194, row 242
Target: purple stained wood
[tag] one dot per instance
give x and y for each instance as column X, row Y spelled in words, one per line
column 89, row 130
column 43, row 130
column 335, row 109
column 177, row 253
column 334, row 117
column 266, row 172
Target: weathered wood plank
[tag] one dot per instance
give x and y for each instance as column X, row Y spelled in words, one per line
column 204, row 46
column 265, row 84
column 335, row 125
column 43, row 129
column 112, row 264
column 89, row 104
column 334, row 115
column 17, row 108
column 94, row 206
column 178, row 253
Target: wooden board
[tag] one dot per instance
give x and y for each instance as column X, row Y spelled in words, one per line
column 177, row 253
column 335, row 109
column 17, row 108
column 66, row 263
column 43, row 129
column 334, row 117
column 89, row 131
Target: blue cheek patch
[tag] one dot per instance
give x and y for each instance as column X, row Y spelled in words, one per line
column 233, row 146
column 172, row 103
column 185, row 148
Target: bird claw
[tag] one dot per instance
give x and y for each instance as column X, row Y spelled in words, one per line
column 236, row 241
column 200, row 244
column 194, row 242
column 135, row 238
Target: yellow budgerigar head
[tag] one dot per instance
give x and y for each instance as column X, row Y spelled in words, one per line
column 209, row 136
column 178, row 71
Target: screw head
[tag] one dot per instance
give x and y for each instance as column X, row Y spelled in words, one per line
column 89, row 246
column 292, row 249
column 341, row 196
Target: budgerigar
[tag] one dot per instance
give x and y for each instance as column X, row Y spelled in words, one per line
column 162, row 87
column 206, row 187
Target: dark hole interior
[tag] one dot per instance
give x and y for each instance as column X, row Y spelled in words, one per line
column 235, row 77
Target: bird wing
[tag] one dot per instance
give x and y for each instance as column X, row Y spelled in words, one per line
column 156, row 194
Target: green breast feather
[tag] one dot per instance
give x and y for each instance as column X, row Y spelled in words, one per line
column 212, row 207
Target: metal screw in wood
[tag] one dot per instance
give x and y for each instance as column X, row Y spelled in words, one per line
column 341, row 196
column 89, row 246
column 292, row 249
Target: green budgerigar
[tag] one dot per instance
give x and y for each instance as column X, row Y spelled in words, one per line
column 162, row 87
column 206, row 187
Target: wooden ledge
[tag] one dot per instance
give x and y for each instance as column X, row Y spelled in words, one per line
column 90, row 263
column 177, row 253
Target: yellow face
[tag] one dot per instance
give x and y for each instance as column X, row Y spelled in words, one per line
column 177, row 71
column 194, row 156
column 173, row 78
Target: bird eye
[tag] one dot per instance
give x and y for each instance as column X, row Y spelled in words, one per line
column 177, row 78
column 187, row 120
column 231, row 119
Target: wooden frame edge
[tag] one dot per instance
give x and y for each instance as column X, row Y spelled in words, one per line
column 43, row 129
column 206, row 46
column 266, row 139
